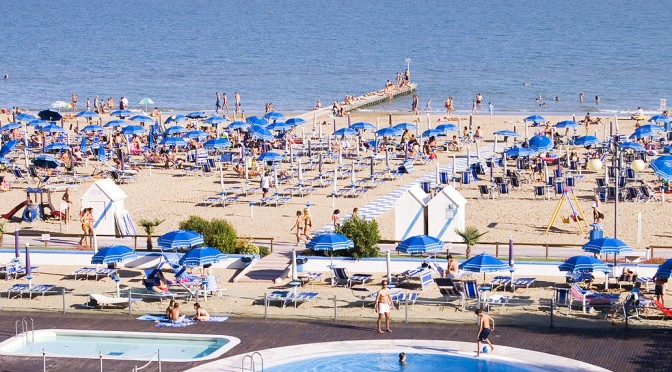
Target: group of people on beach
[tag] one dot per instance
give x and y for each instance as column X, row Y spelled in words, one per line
column 174, row 314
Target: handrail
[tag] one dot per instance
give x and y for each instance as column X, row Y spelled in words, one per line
column 242, row 364
column 261, row 358
column 28, row 334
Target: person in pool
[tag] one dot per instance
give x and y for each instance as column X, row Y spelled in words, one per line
column 487, row 324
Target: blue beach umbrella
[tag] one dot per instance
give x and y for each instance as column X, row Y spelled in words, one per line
column 586, row 141
column 329, row 243
column 141, row 119
column 537, row 119
column 174, row 141
column 197, row 115
column 38, row 123
column 345, row 132
column 46, row 161
column 8, row 147
column 567, row 124
column 448, row 127
column 121, row 113
column 405, row 126
column 256, row 120
column 180, row 239
column 279, row 126
column 659, row 119
column 52, row 128
column 116, row 123
column 10, row 126
column 631, row 145
column 506, row 133
column 540, row 143
column 133, row 129
column 259, row 132
column 215, row 119
column 420, row 244
column 87, row 114
column 662, row 167
column 175, row 129
column 112, row 254
column 296, row 121
column 518, row 152
column 217, row 143
column 665, row 269
column 583, row 264
column 483, row 263
column 270, row 156
column 388, row 132
column 433, row 133
column 49, row 115
column 362, row 125
column 56, row 146
column 647, row 130
column 606, row 246
column 93, row 128
column 196, row 134
column 25, row 118
column 201, row 256
column 241, row 125
column 274, row 116
column 175, row 119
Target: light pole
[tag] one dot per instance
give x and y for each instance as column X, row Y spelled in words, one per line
column 616, row 166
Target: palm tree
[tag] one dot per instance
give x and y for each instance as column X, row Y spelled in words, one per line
column 149, row 226
column 470, row 236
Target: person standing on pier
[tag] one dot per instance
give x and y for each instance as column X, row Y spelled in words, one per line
column 236, row 97
column 414, row 105
column 407, row 76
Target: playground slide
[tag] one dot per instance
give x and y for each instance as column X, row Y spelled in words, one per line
column 8, row 215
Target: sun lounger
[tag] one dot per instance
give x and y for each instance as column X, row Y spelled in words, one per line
column 84, row 271
column 522, row 282
column 647, row 281
column 497, row 300
column 340, row 274
column 363, row 294
column 282, row 296
column 98, row 300
column 304, row 297
column 16, row 270
column 106, row 272
column 500, row 281
column 667, row 312
column 20, row 289
column 405, row 297
column 589, row 298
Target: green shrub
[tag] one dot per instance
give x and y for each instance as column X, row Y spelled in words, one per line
column 264, row 250
column 245, row 246
column 365, row 235
column 217, row 233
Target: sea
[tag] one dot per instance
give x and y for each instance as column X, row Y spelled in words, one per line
column 519, row 55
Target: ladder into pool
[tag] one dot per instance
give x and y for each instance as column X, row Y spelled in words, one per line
column 28, row 334
column 252, row 363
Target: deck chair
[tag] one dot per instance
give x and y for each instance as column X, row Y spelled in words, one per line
column 667, row 312
column 500, row 281
column 282, row 296
column 211, row 287
column 522, row 282
column 304, row 297
column 451, row 292
column 85, row 271
column 647, row 193
column 426, row 279
column 631, row 305
column 539, row 191
column 19, row 176
column 485, row 191
column 99, row 300
column 590, row 298
column 470, row 292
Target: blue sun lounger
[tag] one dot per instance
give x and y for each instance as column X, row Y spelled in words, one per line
column 282, row 296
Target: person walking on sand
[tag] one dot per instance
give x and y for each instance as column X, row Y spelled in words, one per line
column 73, row 102
column 225, row 102
column 383, row 306
column 414, row 105
column 597, row 213
column 218, row 102
column 265, row 184
column 68, row 200
column 86, row 217
column 474, row 110
column 307, row 223
column 298, row 225
column 487, row 325
column 336, row 218
column 236, row 97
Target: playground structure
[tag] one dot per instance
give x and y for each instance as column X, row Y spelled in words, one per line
column 44, row 209
column 577, row 213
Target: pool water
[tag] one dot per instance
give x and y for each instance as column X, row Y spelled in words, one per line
column 390, row 362
column 126, row 345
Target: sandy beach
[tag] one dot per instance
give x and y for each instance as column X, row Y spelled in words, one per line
column 169, row 194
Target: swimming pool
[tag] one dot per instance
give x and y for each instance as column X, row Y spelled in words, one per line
column 382, row 355
column 173, row 347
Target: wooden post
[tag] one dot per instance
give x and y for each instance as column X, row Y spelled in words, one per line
column 497, row 249
column 135, row 242
column 546, row 250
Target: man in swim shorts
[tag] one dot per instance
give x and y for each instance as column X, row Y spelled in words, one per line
column 383, row 306
column 487, row 324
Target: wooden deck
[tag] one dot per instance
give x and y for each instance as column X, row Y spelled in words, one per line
column 616, row 349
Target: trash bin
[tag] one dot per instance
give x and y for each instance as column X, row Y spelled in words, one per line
column 570, row 181
column 596, row 234
column 425, row 186
column 466, row 177
column 299, row 264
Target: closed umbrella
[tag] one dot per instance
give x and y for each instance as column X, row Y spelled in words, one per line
column 29, row 268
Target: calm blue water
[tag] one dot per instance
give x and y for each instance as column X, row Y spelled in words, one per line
column 293, row 52
column 390, row 362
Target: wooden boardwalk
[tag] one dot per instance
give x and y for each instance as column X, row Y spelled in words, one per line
column 616, row 349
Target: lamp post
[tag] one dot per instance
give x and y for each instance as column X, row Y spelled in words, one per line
column 616, row 166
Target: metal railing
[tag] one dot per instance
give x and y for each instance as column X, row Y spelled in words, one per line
column 28, row 334
column 253, row 366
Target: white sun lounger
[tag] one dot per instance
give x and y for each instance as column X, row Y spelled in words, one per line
column 103, row 300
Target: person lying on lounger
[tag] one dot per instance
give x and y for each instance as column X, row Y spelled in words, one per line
column 201, row 314
column 160, row 283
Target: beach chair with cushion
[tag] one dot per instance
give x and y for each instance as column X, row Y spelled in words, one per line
column 211, row 287
column 646, row 281
column 470, row 292
column 20, row 289
column 451, row 292
column 282, row 296
column 149, row 292
column 16, row 288
column 405, row 297
column 426, row 279
column 500, row 281
column 439, row 270
column 85, row 271
column 99, row 300
column 103, row 273
column 667, row 312
column 304, row 297
column 590, row 298
column 503, row 301
column 522, row 282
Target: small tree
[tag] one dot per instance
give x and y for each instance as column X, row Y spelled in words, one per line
column 150, row 227
column 470, row 236
column 217, row 233
column 364, row 234
column 3, row 231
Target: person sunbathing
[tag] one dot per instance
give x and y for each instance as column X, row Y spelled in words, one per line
column 628, row 274
column 201, row 314
column 169, row 309
column 160, row 284
column 175, row 313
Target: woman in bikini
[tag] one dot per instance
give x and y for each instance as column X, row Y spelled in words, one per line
column 201, row 314
column 298, row 225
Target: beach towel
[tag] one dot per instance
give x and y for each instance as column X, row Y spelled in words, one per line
column 163, row 321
